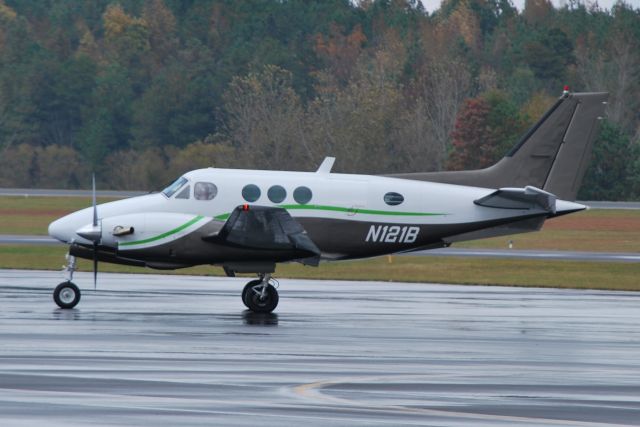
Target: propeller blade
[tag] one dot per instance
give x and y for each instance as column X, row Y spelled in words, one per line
column 95, row 224
column 95, row 206
column 95, row 266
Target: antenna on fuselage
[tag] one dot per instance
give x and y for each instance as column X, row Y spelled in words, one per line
column 326, row 165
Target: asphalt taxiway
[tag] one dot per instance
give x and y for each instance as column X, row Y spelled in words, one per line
column 155, row 350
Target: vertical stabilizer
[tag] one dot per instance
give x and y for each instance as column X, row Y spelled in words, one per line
column 574, row 154
column 552, row 155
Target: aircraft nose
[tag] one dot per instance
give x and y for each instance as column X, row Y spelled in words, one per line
column 65, row 228
column 61, row 229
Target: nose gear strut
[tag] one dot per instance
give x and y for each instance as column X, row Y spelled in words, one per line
column 67, row 295
column 70, row 268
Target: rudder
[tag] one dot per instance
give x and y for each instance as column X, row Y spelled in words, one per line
column 568, row 169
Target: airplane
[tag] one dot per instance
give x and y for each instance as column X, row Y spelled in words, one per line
column 247, row 221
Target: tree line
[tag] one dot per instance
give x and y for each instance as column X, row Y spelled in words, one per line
column 140, row 92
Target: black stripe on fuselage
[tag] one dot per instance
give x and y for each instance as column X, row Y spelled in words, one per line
column 337, row 239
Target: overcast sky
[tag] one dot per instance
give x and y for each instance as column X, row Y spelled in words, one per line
column 432, row 5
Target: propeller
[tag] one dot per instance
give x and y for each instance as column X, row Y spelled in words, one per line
column 93, row 233
column 95, row 226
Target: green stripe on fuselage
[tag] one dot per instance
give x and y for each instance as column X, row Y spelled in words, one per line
column 357, row 210
column 163, row 235
column 224, row 217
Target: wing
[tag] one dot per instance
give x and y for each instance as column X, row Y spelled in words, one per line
column 267, row 229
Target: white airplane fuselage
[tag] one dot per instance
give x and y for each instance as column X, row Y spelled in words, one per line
column 248, row 221
column 346, row 215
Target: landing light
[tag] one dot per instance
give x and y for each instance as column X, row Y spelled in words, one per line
column 119, row 230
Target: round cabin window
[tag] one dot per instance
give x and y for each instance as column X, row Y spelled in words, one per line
column 277, row 194
column 251, row 192
column 302, row 195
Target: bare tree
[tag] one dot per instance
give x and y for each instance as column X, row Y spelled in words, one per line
column 264, row 120
column 445, row 85
column 614, row 68
column 361, row 123
column 625, row 56
column 137, row 170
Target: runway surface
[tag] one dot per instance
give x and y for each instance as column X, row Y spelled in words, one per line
column 45, row 192
column 15, row 239
column 534, row 254
column 23, row 239
column 153, row 350
column 612, row 205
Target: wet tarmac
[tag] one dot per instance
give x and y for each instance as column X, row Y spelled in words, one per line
column 154, row 350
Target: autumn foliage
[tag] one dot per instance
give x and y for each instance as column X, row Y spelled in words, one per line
column 473, row 139
column 140, row 92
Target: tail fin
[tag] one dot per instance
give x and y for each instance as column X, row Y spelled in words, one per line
column 552, row 155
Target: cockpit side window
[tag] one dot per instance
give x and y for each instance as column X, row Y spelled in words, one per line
column 184, row 194
column 204, row 191
column 177, row 184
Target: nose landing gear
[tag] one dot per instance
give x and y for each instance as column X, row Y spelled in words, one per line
column 260, row 296
column 67, row 294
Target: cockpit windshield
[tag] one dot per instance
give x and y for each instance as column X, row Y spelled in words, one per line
column 177, row 184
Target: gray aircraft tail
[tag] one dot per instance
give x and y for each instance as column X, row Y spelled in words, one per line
column 553, row 155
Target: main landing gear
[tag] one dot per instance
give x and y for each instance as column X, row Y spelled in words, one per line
column 67, row 294
column 260, row 296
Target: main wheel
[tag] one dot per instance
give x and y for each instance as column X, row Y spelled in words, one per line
column 247, row 289
column 66, row 295
column 258, row 304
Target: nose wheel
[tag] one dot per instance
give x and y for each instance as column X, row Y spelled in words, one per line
column 260, row 296
column 66, row 295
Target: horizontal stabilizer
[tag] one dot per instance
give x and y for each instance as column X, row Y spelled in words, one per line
column 519, row 198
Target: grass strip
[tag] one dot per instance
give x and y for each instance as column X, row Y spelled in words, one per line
column 453, row 270
column 32, row 215
column 606, row 230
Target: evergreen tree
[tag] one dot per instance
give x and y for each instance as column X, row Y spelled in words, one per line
column 613, row 173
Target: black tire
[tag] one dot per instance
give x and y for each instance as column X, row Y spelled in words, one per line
column 246, row 289
column 66, row 295
column 262, row 305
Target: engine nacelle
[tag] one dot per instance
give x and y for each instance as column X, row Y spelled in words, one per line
column 144, row 230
